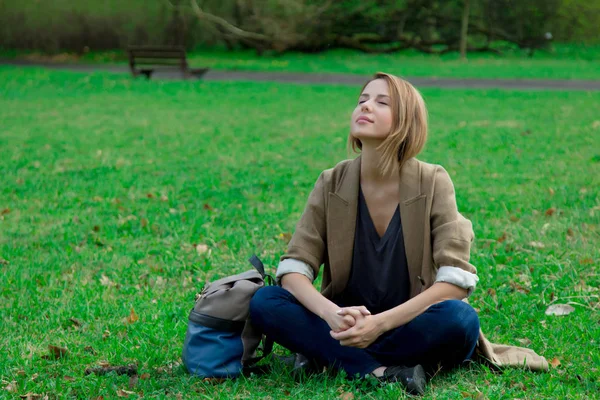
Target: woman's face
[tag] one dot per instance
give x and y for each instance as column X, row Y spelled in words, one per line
column 372, row 117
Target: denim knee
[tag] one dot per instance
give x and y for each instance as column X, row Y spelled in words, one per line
column 263, row 300
column 463, row 319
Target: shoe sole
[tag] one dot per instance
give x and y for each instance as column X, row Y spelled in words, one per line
column 417, row 386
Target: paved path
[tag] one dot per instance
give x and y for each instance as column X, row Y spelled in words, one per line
column 335, row 79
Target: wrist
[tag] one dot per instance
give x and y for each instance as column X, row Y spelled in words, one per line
column 327, row 309
column 382, row 322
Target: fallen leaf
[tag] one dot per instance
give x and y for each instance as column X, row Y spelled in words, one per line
column 346, row 396
column 133, row 380
column 129, row 370
column 89, row 349
column 559, row 309
column 586, row 261
column 596, row 124
column 207, row 206
column 11, row 387
column 124, row 393
column 150, row 195
column 491, row 292
column 33, row 396
column 3, row 261
column 570, row 232
column 68, row 378
column 551, row 191
column 57, row 351
column 145, row 375
column 549, row 212
column 21, row 372
column 105, row 281
column 133, row 317
column 34, row 376
column 537, row 245
column 144, row 222
column 285, row 236
column 502, row 238
column 5, row 211
column 103, row 363
column 555, row 362
column 76, row 322
column 524, row 341
column 201, row 248
column 96, row 228
column 164, row 198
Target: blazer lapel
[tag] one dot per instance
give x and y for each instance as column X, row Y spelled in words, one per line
column 412, row 213
column 341, row 225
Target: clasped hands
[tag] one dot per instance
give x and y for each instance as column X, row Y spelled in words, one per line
column 354, row 326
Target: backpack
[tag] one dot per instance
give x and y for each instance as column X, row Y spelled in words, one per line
column 220, row 341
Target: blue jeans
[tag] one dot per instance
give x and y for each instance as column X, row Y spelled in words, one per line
column 446, row 333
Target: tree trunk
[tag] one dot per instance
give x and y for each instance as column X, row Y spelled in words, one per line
column 464, row 29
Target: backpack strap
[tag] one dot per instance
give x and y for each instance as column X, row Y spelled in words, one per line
column 260, row 267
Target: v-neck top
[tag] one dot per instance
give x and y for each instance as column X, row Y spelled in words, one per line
column 379, row 275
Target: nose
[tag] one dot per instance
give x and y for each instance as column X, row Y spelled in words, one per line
column 366, row 106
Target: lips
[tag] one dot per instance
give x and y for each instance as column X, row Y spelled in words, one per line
column 364, row 118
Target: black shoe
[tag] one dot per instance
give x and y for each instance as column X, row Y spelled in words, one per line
column 412, row 378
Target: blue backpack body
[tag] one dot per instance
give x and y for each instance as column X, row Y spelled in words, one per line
column 220, row 341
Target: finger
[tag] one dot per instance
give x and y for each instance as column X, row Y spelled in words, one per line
column 349, row 320
column 350, row 311
column 343, row 335
column 363, row 310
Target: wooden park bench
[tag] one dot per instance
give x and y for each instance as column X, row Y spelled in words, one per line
column 145, row 60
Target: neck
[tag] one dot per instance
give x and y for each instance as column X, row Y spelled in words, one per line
column 370, row 171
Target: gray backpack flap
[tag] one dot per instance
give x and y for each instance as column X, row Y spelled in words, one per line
column 220, row 340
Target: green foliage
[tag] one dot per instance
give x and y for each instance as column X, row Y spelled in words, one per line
column 107, row 184
column 427, row 25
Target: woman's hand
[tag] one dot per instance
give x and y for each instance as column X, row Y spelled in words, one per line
column 342, row 319
column 366, row 330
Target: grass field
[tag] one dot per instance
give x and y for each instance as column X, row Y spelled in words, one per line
column 109, row 184
column 563, row 61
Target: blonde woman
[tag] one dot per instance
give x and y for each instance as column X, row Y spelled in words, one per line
column 395, row 252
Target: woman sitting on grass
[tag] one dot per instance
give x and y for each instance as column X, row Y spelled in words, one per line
column 396, row 256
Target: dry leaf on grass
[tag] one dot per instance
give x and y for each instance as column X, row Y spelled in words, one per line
column 201, row 248
column 3, row 261
column 145, row 375
column 124, row 393
column 559, row 309
column 131, row 318
column 57, row 351
column 105, row 281
column 130, row 370
column 537, row 245
column 11, row 387
column 550, row 211
column 346, row 396
column 524, row 341
column 555, row 362
column 33, row 396
column 133, row 380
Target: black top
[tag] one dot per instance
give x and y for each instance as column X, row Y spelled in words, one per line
column 379, row 275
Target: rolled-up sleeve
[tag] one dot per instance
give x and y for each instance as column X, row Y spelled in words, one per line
column 307, row 246
column 452, row 235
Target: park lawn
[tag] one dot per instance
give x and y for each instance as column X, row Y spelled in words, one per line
column 109, row 185
column 563, row 61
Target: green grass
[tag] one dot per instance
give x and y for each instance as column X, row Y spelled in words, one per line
column 563, row 61
column 108, row 183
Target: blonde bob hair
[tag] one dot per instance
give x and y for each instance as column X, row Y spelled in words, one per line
column 409, row 124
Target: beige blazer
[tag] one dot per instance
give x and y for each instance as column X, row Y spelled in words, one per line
column 435, row 235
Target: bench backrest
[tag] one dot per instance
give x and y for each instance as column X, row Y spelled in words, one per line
column 146, row 55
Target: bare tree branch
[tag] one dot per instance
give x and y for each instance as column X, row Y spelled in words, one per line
column 226, row 25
